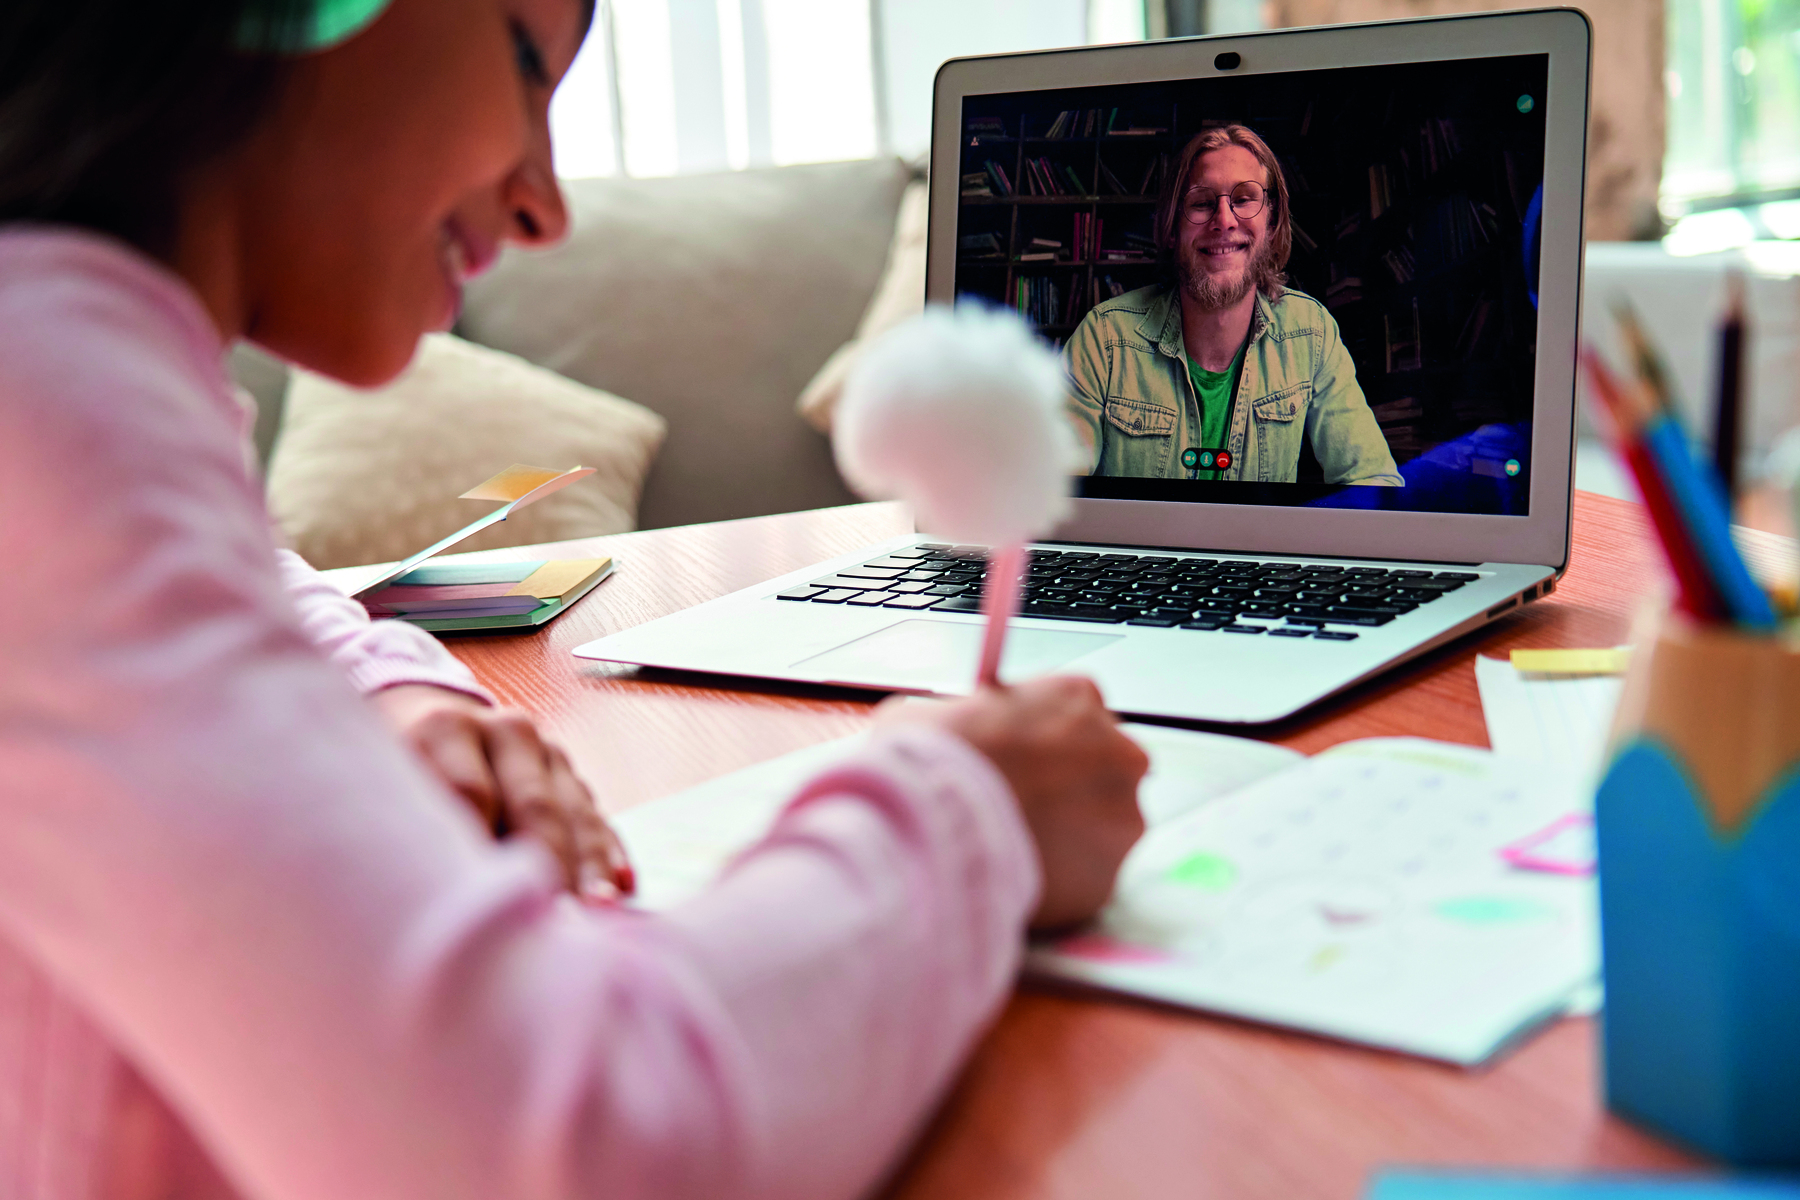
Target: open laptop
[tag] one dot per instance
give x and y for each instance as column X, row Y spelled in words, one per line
column 1388, row 465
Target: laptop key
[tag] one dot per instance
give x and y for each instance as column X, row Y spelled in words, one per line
column 1074, row 612
column 1241, row 629
column 913, row 589
column 1341, row 617
column 799, row 593
column 1290, row 632
column 868, row 599
column 920, row 601
column 855, row 585
column 957, row 604
column 834, row 596
column 1456, row 576
column 1207, row 626
column 1334, row 635
column 1155, row 622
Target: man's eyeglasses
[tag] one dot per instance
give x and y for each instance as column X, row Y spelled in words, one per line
column 1199, row 205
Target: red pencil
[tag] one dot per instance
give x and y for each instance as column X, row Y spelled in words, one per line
column 1695, row 593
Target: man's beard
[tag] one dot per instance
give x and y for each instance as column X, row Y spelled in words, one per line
column 1212, row 292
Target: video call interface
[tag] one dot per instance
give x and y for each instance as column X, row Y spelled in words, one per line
column 1390, row 361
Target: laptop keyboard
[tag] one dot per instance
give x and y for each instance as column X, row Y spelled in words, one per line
column 1220, row 595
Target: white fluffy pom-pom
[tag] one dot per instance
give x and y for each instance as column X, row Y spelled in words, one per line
column 960, row 414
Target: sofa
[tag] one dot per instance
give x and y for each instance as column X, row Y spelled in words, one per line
column 711, row 300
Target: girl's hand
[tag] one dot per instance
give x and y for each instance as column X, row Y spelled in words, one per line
column 1074, row 774
column 520, row 784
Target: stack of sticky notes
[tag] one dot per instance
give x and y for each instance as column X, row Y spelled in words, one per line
column 515, row 595
column 447, row 597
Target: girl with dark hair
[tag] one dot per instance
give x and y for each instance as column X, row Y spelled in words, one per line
column 249, row 944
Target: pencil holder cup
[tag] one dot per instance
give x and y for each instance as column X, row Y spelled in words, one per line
column 1698, row 823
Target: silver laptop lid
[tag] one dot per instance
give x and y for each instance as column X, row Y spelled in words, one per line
column 1409, row 392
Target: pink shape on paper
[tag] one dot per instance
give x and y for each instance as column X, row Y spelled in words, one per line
column 1098, row 947
column 1540, row 851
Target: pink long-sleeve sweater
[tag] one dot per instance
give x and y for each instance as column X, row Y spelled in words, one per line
column 249, row 948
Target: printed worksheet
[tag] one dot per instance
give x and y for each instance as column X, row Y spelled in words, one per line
column 1361, row 894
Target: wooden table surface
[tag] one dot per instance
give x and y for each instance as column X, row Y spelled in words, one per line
column 1074, row 1096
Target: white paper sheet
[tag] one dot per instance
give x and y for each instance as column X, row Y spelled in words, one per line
column 1359, row 895
column 680, row 843
column 1562, row 723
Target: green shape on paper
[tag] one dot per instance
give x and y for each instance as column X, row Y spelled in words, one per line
column 1493, row 910
column 1208, row 872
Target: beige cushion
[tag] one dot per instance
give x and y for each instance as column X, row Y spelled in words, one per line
column 899, row 295
column 710, row 299
column 361, row 477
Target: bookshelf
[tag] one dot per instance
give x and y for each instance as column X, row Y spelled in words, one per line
column 1057, row 208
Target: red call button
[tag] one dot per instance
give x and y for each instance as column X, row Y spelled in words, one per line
column 1223, row 461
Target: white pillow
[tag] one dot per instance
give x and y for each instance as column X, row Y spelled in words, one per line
column 899, row 295
column 371, row 476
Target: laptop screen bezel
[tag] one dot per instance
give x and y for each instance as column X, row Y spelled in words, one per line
column 1541, row 537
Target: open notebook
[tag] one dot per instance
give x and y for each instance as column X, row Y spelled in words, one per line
column 1361, row 894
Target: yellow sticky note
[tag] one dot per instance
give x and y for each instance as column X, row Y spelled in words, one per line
column 555, row 580
column 1571, row 662
column 510, row 484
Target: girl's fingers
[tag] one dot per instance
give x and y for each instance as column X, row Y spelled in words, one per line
column 604, row 871
column 452, row 743
column 528, row 792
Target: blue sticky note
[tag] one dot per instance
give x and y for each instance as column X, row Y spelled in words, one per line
column 463, row 574
column 1411, row 1185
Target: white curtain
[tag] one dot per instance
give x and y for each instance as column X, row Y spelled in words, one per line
column 667, row 87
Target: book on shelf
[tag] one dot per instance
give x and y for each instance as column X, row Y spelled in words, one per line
column 981, row 245
column 976, row 183
column 1343, row 289
column 997, row 175
column 1074, row 123
column 985, row 127
column 1038, row 256
column 1400, row 264
column 1473, row 327
column 1076, row 187
column 1405, row 345
column 1131, row 128
column 1109, row 182
column 1153, row 176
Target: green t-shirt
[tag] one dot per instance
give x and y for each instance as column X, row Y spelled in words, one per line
column 1214, row 390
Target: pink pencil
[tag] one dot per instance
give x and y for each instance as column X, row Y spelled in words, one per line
column 1000, row 602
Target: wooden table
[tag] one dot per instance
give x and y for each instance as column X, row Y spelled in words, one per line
column 1098, row 1098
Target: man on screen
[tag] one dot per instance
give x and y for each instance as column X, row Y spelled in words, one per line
column 1224, row 373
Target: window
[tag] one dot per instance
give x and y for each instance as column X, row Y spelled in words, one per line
column 677, row 86
column 1733, row 95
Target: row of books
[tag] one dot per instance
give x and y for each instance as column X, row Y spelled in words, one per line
column 1085, row 245
column 1046, row 178
column 1070, row 123
column 1404, row 337
column 1044, row 302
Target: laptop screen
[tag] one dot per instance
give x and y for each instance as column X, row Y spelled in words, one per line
column 1312, row 288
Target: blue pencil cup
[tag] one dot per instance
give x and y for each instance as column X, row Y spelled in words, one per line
column 1698, row 821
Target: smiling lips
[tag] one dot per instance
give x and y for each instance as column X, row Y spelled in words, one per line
column 462, row 255
column 1223, row 249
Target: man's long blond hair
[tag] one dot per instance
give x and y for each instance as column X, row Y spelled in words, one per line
column 1271, row 267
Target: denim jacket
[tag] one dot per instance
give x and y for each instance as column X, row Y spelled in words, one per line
column 1134, row 406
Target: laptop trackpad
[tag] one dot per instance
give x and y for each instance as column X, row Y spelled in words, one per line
column 941, row 656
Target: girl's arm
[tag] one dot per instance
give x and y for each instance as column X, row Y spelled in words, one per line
column 375, row 654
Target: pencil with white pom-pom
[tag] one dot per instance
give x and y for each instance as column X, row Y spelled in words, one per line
column 960, row 414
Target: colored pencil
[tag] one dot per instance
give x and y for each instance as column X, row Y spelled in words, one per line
column 1728, row 404
column 1693, row 490
column 1695, row 594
